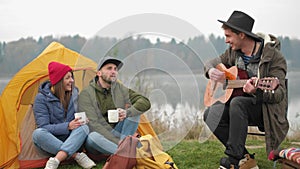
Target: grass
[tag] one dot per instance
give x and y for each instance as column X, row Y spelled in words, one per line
column 191, row 154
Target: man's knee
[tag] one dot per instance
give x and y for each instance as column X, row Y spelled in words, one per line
column 135, row 119
column 93, row 136
column 205, row 114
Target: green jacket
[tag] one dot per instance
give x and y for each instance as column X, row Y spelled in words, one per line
column 95, row 101
column 272, row 64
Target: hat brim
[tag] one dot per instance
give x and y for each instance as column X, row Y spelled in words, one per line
column 118, row 63
column 254, row 36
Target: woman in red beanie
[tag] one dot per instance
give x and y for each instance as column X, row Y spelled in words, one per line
column 58, row 131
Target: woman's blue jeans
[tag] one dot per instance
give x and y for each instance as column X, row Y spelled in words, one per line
column 49, row 143
column 97, row 143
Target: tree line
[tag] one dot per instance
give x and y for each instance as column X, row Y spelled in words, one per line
column 16, row 54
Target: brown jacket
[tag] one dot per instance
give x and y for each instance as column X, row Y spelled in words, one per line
column 274, row 108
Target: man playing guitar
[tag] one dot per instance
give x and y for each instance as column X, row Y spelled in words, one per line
column 258, row 56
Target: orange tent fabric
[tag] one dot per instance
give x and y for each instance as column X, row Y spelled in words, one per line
column 16, row 116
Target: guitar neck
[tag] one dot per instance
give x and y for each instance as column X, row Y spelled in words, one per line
column 232, row 84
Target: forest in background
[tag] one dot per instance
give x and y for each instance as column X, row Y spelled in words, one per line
column 16, row 54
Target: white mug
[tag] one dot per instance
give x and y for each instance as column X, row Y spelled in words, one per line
column 81, row 116
column 113, row 116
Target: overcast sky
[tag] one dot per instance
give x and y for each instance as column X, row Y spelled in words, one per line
column 35, row 18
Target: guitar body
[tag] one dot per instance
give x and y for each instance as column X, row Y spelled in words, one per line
column 232, row 87
column 242, row 74
column 215, row 90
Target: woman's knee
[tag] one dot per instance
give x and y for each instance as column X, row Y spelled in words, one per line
column 38, row 133
column 84, row 129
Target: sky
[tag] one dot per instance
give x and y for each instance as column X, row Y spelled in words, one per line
column 40, row 18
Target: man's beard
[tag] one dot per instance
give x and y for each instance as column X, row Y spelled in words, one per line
column 107, row 79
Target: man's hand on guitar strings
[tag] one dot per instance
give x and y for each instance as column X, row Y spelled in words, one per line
column 216, row 75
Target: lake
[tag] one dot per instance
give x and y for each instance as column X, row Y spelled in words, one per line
column 177, row 101
column 187, row 86
column 3, row 83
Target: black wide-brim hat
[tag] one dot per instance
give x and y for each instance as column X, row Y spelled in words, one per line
column 242, row 22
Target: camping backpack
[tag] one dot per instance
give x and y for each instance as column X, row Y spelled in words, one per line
column 150, row 155
column 124, row 158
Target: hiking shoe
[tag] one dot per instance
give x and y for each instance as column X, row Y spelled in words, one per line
column 225, row 164
column 52, row 163
column 248, row 162
column 84, row 161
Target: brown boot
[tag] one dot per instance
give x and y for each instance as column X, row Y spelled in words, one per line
column 248, row 162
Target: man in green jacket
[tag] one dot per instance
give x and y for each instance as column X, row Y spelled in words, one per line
column 256, row 56
column 105, row 92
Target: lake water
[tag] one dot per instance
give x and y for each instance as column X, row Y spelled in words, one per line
column 188, row 88
column 178, row 99
column 3, row 83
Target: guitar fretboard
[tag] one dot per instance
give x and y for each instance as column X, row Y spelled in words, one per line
column 232, row 84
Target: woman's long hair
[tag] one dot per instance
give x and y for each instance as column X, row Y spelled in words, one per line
column 63, row 96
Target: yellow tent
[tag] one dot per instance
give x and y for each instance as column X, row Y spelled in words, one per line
column 16, row 117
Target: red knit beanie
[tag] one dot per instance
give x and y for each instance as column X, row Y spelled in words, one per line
column 57, row 71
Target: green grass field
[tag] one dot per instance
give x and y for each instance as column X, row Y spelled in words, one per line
column 191, row 154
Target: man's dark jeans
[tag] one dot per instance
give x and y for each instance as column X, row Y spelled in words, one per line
column 229, row 123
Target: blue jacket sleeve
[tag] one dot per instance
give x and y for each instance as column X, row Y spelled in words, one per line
column 45, row 118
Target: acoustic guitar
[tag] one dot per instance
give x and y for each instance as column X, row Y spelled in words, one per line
column 231, row 86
